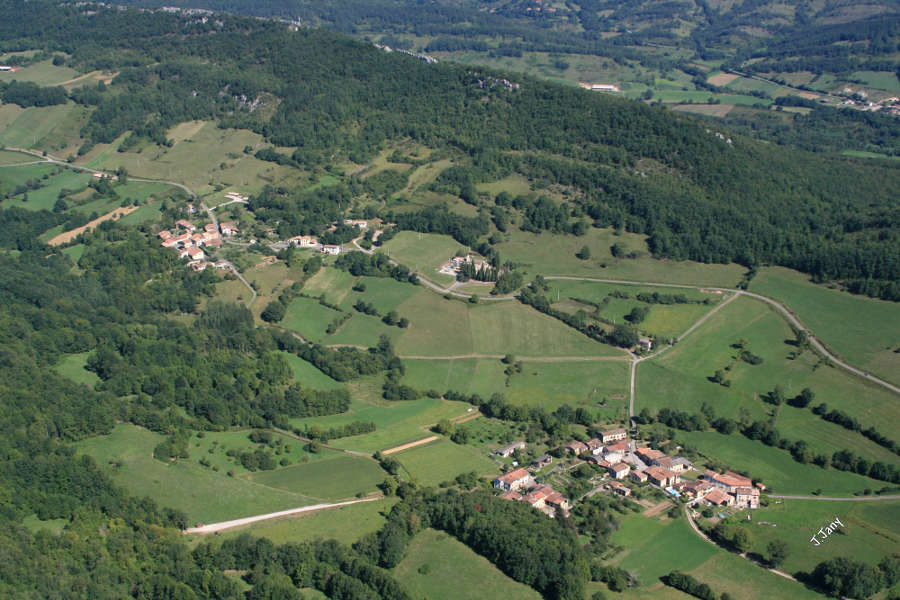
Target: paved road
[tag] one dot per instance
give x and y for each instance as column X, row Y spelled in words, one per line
column 216, row 527
column 542, row 359
column 833, row 499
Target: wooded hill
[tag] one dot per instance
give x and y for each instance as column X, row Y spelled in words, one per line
column 696, row 194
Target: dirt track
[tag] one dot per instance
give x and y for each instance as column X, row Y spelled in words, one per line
column 67, row 236
column 402, row 447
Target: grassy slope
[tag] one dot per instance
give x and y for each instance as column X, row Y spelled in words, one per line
column 309, row 318
column 871, row 530
column 345, row 524
column 424, row 252
column 72, row 366
column 443, row 460
column 308, row 376
column 335, row 478
column 863, row 330
column 678, row 379
column 204, row 495
column 437, row 567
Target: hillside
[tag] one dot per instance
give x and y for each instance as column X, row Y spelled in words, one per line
column 696, row 193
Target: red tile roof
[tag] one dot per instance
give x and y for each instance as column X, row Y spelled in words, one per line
column 514, row 476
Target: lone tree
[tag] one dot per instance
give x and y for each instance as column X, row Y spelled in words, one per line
column 777, row 551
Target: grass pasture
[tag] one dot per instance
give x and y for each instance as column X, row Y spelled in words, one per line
column 309, row 318
column 397, row 422
column 34, row 127
column 727, row 572
column 439, row 567
column 871, row 530
column 337, row 478
column 555, row 255
column 423, row 253
column 443, row 460
column 8, row 157
column 345, row 524
column 654, row 547
column 72, row 366
column 334, row 284
column 361, row 330
column 309, row 376
column 680, row 379
column 781, row 473
column 43, row 73
column 126, row 455
column 864, row 330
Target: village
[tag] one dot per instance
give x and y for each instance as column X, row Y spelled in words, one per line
column 622, row 468
column 190, row 241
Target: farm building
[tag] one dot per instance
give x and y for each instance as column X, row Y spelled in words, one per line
column 661, row 477
column 331, row 249
column 542, row 461
column 718, row 497
column 639, row 476
column 746, row 497
column 613, row 435
column 507, row 450
column 576, row 448
column 514, row 480
column 619, row 471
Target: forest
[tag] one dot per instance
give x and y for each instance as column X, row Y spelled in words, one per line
column 709, row 200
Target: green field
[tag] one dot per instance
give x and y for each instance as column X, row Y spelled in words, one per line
column 337, row 478
column 397, row 422
column 776, row 467
column 882, row 80
column 440, row 327
column 72, row 366
column 309, row 376
column 33, row 524
column 74, row 252
column 863, row 330
column 871, row 530
column 654, row 547
column 679, row 379
column 45, row 197
column 663, row 320
column 335, row 284
column 12, row 177
column 42, row 73
column 547, row 384
column 443, row 460
column 345, row 524
column 423, row 252
column 439, row 567
column 8, row 157
column 213, row 447
column 127, row 456
column 361, row 330
column 202, row 157
column 384, row 293
column 34, row 127
column 555, row 255
column 730, row 573
column 309, row 318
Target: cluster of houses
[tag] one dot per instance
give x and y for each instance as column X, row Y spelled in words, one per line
column 541, row 497
column 190, row 242
column 611, row 451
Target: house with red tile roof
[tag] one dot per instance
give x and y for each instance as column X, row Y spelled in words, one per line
column 728, row 481
column 746, row 497
column 576, row 448
column 619, row 489
column 619, row 470
column 514, row 480
column 638, row 476
column 228, row 228
column 718, row 497
column 594, row 445
column 183, row 224
column 661, row 477
column 613, row 435
column 512, row 495
column 648, row 454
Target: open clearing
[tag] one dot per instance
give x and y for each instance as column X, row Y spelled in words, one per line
column 423, row 252
column 864, row 330
column 126, row 455
column 443, row 460
column 72, row 366
column 439, row 567
column 309, row 376
column 871, row 530
column 415, row 444
column 345, row 524
column 68, row 236
column 709, row 110
column 721, row 79
column 337, row 478
column 680, row 379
